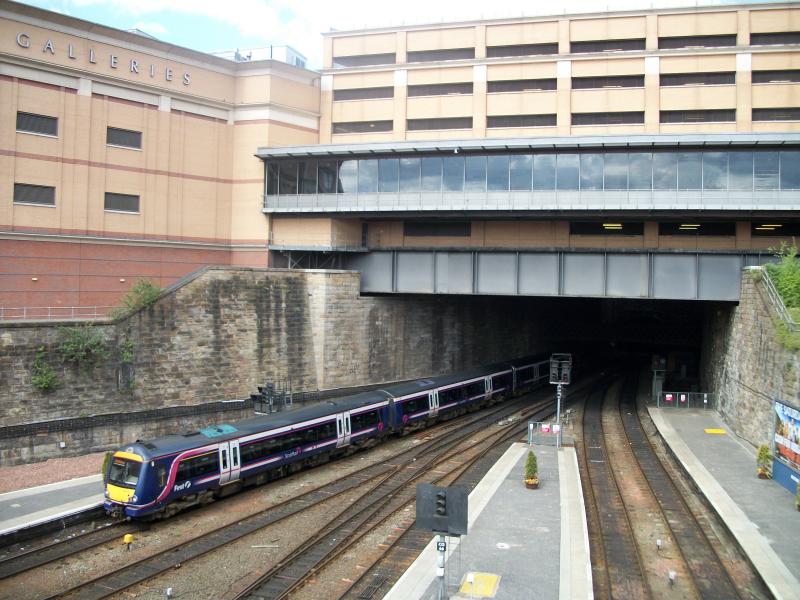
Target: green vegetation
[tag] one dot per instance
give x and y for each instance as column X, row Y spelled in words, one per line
column 785, row 275
column 106, row 461
column 83, row 346
column 531, row 466
column 764, row 461
column 143, row 293
column 126, row 353
column 44, row 379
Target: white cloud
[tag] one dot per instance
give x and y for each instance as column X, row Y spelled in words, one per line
column 151, row 27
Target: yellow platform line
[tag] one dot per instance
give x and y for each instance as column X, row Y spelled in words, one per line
column 715, row 431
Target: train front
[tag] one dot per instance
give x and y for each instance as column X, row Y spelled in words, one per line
column 126, row 482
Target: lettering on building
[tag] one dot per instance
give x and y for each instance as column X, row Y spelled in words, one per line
column 132, row 65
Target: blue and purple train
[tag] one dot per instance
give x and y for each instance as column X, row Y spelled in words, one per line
column 157, row 478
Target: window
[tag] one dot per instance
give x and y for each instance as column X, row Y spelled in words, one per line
column 521, row 121
column 363, row 93
column 367, row 176
column 776, row 114
column 567, row 171
column 520, row 167
column 124, row 472
column 431, row 174
column 774, row 228
column 696, row 41
column 615, row 171
column 308, row 177
column 790, row 170
column 388, row 175
column 606, row 228
column 26, row 193
column 698, row 116
column 124, row 137
column 619, row 81
column 348, row 176
column 640, row 170
column 784, row 76
column 363, row 60
column 453, row 173
column 197, row 466
column 665, row 171
column 327, row 177
column 607, row 45
column 694, row 228
column 439, row 89
column 41, row 124
column 768, row 39
column 690, row 171
column 475, row 178
column 544, row 171
column 272, row 170
column 364, row 420
column 121, row 202
column 715, row 170
column 591, row 171
column 437, row 228
column 288, row 178
column 740, row 170
column 678, row 79
column 520, row 85
column 765, row 170
column 497, row 173
column 362, row 126
column 522, row 50
column 442, row 123
column 437, row 55
column 410, row 174
column 608, row 118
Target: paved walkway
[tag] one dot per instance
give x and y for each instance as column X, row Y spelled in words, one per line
column 521, row 544
column 28, row 507
column 759, row 513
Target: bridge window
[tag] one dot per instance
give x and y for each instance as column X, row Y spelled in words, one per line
column 440, row 89
column 607, row 45
column 695, row 228
column 437, row 228
column 768, row 39
column 363, row 60
column 679, row 79
column 714, row 170
column 522, row 50
column 363, row 93
column 437, row 55
column 610, row 227
column 453, row 173
column 774, row 228
column 776, row 114
column 608, row 81
column 783, row 76
column 696, row 41
column 520, row 85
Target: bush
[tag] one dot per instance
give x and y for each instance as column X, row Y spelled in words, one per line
column 531, row 466
column 106, row 461
column 44, row 379
column 785, row 275
column 143, row 293
column 82, row 346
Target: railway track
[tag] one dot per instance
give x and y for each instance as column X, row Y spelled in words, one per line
column 110, row 583
column 646, row 543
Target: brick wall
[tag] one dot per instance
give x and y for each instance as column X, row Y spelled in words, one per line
column 745, row 364
column 228, row 330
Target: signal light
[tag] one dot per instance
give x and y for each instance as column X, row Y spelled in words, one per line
column 441, row 504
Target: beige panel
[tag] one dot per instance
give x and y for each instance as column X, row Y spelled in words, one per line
column 349, row 81
column 614, row 28
column 624, row 66
column 698, row 64
column 440, row 39
column 698, row 128
column 254, row 88
column 515, row 132
column 304, row 232
column 776, row 126
column 522, row 33
column 445, row 134
column 611, row 100
column 358, row 138
column 776, row 60
column 363, row 110
column 291, row 93
column 444, row 75
column 385, row 234
column 248, row 223
column 768, row 21
column 538, row 70
column 698, row 97
column 606, row 241
column 522, row 103
column 346, row 233
column 775, row 95
column 526, row 234
column 716, row 23
column 429, row 107
column 284, row 135
column 606, row 129
column 382, row 43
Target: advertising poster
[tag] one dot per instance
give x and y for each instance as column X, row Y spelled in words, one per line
column 787, row 435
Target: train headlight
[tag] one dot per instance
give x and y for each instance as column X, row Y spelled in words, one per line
column 105, row 493
column 134, row 499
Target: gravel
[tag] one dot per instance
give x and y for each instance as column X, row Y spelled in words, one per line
column 50, row 471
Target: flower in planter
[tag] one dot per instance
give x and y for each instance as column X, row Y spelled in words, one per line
column 531, row 471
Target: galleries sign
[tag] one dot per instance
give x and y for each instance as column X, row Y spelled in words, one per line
column 133, row 65
column 787, row 434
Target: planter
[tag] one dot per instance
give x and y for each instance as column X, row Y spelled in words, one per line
column 532, row 484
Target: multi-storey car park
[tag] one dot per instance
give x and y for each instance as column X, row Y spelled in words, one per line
column 646, row 153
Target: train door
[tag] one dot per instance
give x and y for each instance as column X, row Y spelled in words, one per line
column 488, row 386
column 514, row 380
column 229, row 461
column 433, row 403
column 343, row 429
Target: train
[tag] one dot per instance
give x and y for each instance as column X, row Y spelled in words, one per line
column 157, row 478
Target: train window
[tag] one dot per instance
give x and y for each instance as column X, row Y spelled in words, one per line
column 410, row 406
column 162, row 476
column 124, row 472
column 197, row 466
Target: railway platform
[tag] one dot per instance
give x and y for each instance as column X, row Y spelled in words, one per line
column 759, row 513
column 32, row 506
column 519, row 540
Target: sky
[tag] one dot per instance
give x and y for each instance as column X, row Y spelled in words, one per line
column 214, row 25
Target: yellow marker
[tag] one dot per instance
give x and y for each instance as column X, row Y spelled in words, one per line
column 128, row 539
column 715, row 431
column 480, row 585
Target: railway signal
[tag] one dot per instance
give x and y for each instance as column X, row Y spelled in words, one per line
column 560, row 375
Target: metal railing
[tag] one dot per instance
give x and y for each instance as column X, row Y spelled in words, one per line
column 704, row 400
column 776, row 300
column 49, row 313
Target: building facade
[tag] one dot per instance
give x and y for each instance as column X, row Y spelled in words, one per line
column 654, row 131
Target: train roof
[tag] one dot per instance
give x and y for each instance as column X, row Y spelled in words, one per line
column 170, row 444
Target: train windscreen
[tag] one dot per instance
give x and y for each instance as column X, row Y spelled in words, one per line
column 124, row 472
